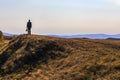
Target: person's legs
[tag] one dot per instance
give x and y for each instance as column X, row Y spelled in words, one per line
column 29, row 31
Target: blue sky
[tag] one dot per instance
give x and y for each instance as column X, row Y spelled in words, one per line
column 61, row 16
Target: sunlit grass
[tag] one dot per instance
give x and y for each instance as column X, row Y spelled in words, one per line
column 30, row 57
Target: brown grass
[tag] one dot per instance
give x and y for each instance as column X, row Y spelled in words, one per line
column 30, row 57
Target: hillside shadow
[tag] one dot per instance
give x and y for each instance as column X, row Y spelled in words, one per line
column 37, row 53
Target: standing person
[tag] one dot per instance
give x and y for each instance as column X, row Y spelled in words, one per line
column 29, row 26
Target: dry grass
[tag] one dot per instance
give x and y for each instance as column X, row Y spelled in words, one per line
column 33, row 57
column 3, row 44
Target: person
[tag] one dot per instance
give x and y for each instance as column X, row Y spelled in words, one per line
column 29, row 26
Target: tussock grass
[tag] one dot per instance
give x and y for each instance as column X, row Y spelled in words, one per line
column 30, row 57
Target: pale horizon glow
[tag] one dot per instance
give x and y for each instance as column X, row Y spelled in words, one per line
column 61, row 16
column 117, row 2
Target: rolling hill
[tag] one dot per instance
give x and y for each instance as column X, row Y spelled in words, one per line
column 33, row 57
column 91, row 36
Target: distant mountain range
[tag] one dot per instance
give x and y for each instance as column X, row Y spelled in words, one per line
column 8, row 34
column 91, row 36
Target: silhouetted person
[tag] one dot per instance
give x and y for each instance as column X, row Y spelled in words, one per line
column 29, row 26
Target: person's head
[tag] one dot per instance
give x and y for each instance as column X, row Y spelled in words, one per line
column 29, row 20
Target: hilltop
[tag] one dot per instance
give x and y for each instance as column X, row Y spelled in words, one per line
column 34, row 57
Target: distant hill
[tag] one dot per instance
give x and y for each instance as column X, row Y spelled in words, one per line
column 8, row 34
column 91, row 36
column 113, row 38
column 33, row 57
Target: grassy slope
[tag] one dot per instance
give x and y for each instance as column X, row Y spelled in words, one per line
column 46, row 58
column 3, row 44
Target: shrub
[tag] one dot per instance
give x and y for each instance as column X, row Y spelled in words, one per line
column 1, row 35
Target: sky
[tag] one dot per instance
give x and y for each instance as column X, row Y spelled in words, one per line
column 60, row 16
